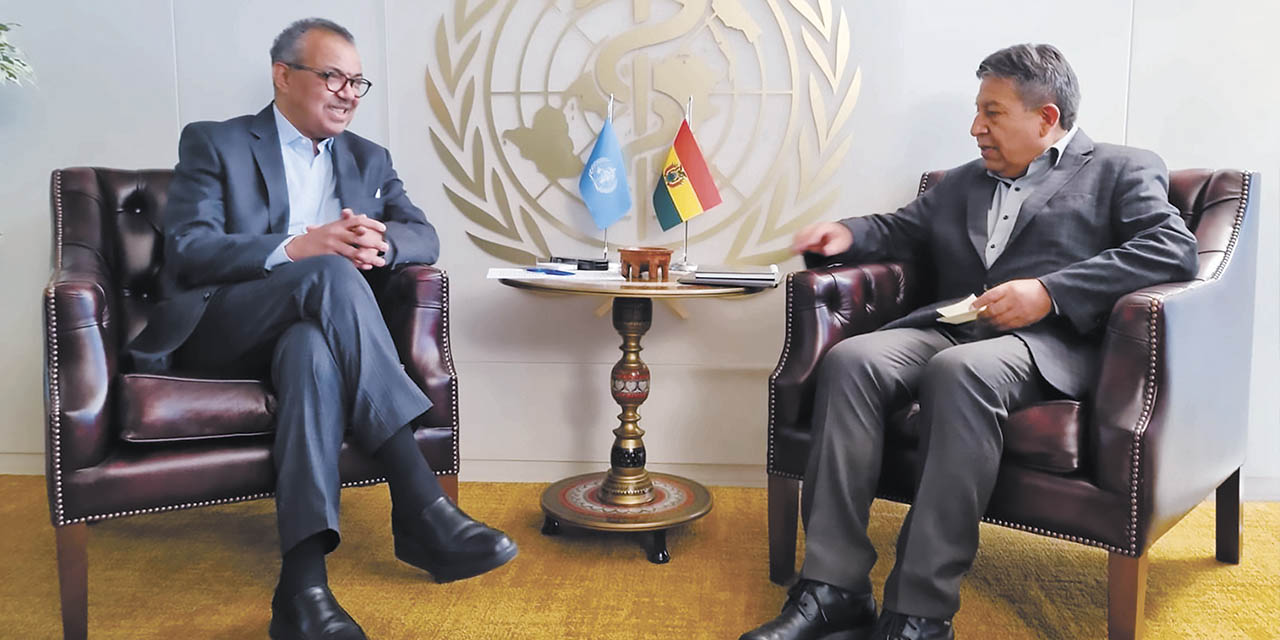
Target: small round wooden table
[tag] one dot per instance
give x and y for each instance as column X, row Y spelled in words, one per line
column 627, row 497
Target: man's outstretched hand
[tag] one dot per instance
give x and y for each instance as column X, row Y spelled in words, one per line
column 357, row 238
column 825, row 238
column 1014, row 304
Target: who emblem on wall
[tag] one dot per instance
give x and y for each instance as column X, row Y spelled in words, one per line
column 519, row 89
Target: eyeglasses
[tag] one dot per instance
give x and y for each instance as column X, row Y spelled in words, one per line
column 335, row 81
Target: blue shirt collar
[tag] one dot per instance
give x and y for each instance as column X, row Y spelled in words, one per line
column 289, row 134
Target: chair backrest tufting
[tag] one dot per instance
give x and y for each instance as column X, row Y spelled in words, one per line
column 114, row 218
column 1210, row 202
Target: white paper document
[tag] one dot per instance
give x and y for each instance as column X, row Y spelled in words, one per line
column 959, row 313
column 521, row 273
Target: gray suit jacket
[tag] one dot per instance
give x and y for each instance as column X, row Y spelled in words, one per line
column 1098, row 227
column 228, row 209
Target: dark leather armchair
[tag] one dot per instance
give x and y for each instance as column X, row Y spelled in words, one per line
column 1163, row 428
column 122, row 443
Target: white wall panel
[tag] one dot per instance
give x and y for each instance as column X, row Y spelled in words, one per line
column 918, row 61
column 104, row 95
column 562, row 412
column 224, row 64
column 1204, row 95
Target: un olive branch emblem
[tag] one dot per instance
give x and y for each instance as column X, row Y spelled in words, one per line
column 508, row 226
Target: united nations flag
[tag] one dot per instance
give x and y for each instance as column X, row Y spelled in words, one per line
column 604, row 180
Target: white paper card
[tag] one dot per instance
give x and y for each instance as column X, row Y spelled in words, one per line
column 959, row 312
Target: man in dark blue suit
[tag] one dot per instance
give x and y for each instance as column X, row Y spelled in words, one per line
column 1048, row 229
column 270, row 220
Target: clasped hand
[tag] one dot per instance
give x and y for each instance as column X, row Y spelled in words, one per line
column 357, row 238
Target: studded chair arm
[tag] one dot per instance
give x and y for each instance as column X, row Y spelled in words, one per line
column 81, row 352
column 824, row 306
column 1171, row 409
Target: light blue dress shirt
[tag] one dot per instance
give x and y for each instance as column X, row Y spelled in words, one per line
column 1011, row 193
column 312, row 185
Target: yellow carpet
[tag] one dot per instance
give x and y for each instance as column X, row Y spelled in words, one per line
column 208, row 573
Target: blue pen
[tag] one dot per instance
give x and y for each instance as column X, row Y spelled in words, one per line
column 550, row 272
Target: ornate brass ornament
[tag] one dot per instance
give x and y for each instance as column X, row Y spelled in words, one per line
column 520, row 87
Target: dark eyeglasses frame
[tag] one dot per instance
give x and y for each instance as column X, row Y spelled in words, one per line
column 361, row 86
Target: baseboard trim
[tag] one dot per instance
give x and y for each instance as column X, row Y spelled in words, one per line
column 22, row 464
column 731, row 475
column 1256, row 488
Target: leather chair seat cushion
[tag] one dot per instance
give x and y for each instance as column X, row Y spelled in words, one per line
column 1045, row 436
column 160, row 408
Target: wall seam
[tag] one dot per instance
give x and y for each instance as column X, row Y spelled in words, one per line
column 386, row 72
column 177, row 78
column 1128, row 87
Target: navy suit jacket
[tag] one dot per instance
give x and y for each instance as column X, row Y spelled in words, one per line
column 228, row 209
column 1099, row 226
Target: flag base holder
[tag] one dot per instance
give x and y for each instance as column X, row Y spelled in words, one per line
column 684, row 267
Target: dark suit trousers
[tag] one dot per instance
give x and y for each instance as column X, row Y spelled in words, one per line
column 966, row 389
column 316, row 327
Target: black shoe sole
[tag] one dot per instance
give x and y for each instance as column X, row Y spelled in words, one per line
column 856, row 634
column 276, row 632
column 452, row 572
column 853, row 634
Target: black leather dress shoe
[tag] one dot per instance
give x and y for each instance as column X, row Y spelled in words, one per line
column 448, row 544
column 312, row 614
column 899, row 626
column 819, row 611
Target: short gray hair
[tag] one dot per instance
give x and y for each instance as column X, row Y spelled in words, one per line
column 287, row 47
column 1041, row 74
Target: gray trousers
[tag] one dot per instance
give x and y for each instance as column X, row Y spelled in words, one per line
column 966, row 390
column 316, row 327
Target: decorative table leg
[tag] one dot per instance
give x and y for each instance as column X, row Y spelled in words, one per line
column 628, row 482
column 627, row 497
column 658, row 553
column 550, row 527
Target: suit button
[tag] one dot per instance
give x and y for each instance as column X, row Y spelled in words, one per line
column 207, row 294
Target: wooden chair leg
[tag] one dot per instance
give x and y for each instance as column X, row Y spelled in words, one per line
column 1230, row 519
column 1126, row 596
column 73, row 579
column 784, row 505
column 450, row 485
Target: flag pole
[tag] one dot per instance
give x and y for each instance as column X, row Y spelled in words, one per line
column 684, row 264
column 606, row 229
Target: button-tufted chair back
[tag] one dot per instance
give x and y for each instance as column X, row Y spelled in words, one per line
column 117, row 214
column 1210, row 202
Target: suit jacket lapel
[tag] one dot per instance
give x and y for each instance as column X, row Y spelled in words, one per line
column 346, row 175
column 979, row 203
column 1077, row 154
column 266, row 153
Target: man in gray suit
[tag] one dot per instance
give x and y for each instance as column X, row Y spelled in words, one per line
column 1049, row 229
column 270, row 221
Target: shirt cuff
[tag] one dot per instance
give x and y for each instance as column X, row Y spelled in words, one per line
column 279, row 257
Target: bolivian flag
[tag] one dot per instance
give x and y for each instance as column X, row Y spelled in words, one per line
column 684, row 188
